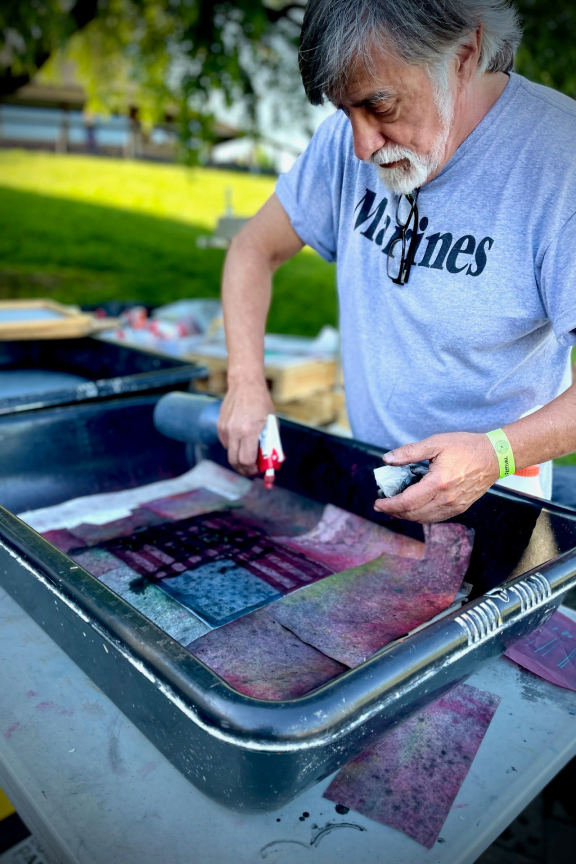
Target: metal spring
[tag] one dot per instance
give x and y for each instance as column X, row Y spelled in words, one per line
column 532, row 592
column 482, row 621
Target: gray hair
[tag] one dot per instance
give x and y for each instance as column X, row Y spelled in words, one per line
column 336, row 34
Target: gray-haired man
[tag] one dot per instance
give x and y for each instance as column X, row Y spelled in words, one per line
column 458, row 302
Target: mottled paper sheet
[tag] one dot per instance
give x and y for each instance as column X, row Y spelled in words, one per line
column 351, row 615
column 342, row 540
column 278, row 511
column 258, row 657
column 188, row 504
column 212, row 565
column 91, row 535
column 550, row 651
column 63, row 539
column 409, row 780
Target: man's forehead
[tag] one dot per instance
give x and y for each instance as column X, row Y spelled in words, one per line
column 382, row 81
column 354, row 96
column 366, row 96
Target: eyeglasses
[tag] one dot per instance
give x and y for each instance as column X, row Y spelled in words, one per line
column 401, row 253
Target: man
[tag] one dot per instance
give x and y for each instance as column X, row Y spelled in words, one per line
column 457, row 325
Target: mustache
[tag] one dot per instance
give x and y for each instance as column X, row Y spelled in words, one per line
column 393, row 153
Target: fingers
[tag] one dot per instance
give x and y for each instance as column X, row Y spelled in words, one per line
column 416, row 452
column 222, row 431
column 233, row 447
column 430, row 500
column 242, row 417
column 241, row 442
column 411, row 501
column 460, row 472
column 433, row 499
column 247, row 455
column 243, row 450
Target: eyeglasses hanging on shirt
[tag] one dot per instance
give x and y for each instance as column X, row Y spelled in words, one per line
column 401, row 252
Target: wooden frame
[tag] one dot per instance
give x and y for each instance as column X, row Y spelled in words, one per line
column 65, row 322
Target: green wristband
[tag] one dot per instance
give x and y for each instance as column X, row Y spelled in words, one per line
column 501, row 444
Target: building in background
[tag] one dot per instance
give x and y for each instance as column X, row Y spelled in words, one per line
column 55, row 117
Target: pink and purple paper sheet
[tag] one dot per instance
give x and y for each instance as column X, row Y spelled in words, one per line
column 188, row 504
column 342, row 540
column 89, row 534
column 351, row 615
column 409, row 780
column 62, row 539
column 278, row 511
column 550, row 651
column 258, row 657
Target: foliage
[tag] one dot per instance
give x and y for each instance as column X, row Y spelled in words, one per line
column 161, row 53
column 189, row 57
column 32, row 31
column 548, row 50
column 86, row 230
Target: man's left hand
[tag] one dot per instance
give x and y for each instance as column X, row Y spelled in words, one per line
column 463, row 466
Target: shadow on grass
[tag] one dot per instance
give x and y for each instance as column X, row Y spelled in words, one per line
column 76, row 252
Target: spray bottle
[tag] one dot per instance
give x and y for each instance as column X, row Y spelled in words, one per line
column 270, row 452
column 193, row 417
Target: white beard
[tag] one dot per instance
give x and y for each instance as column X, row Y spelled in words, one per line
column 411, row 174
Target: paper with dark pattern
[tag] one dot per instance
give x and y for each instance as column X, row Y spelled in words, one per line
column 550, row 651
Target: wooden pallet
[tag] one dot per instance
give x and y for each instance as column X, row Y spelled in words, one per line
column 289, row 378
column 320, row 409
column 46, row 319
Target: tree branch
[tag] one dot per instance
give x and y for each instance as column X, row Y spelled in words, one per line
column 81, row 14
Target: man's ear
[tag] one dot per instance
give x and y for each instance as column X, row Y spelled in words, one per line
column 468, row 55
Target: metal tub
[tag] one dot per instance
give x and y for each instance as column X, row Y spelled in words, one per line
column 246, row 753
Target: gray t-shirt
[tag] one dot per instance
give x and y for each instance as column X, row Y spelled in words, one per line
column 482, row 332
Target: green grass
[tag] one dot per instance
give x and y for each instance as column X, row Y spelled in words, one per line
column 85, row 230
column 566, row 460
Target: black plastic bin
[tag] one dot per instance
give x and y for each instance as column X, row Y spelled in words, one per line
column 248, row 753
column 96, row 369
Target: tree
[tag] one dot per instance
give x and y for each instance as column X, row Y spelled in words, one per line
column 183, row 52
column 32, row 31
column 179, row 51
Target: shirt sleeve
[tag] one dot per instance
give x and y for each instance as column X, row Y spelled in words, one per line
column 310, row 193
column 558, row 282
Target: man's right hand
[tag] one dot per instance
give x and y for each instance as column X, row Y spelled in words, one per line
column 242, row 417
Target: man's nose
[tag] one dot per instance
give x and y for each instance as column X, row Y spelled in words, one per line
column 367, row 137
